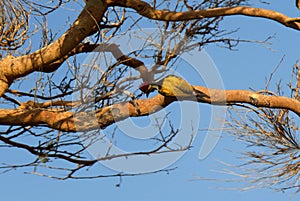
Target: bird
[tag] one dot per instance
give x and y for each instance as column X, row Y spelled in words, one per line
column 172, row 86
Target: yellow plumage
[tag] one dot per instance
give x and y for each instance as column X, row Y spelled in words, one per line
column 175, row 86
column 172, row 86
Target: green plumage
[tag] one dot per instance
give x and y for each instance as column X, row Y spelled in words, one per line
column 174, row 86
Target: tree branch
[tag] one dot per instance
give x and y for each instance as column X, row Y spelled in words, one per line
column 249, row 97
column 150, row 12
column 84, row 121
column 81, row 48
column 85, row 25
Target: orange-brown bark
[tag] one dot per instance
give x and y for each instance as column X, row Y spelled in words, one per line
column 83, row 121
column 252, row 98
column 52, row 56
column 146, row 10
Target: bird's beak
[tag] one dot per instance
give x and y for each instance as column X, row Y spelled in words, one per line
column 147, row 94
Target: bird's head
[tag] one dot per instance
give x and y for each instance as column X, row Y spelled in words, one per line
column 146, row 88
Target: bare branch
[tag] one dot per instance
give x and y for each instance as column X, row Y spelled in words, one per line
column 85, row 25
column 14, row 26
column 146, row 10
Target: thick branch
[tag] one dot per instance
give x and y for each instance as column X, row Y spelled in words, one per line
column 146, row 10
column 84, row 121
column 249, row 97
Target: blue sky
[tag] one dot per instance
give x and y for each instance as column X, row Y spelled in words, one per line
column 241, row 69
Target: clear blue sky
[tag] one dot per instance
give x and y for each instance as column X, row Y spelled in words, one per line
column 247, row 67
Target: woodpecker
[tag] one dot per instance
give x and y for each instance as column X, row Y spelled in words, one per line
column 172, row 86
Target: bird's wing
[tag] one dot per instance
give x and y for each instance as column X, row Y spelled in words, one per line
column 185, row 87
column 176, row 86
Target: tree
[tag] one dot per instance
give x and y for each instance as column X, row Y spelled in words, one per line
column 51, row 119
